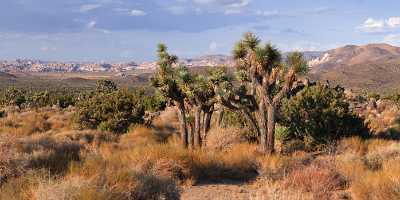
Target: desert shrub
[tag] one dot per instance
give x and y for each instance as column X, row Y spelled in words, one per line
column 110, row 110
column 154, row 102
column 319, row 115
column 2, row 113
column 373, row 95
column 234, row 119
column 64, row 101
column 13, row 97
column 38, row 99
column 393, row 97
column 106, row 86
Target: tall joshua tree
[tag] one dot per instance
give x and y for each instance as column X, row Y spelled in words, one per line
column 200, row 97
column 165, row 80
column 189, row 92
column 265, row 81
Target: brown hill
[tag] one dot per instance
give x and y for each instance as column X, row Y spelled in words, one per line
column 372, row 67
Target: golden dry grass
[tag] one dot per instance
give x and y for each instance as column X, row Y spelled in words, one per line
column 148, row 163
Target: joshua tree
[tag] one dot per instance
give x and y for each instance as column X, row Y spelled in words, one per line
column 200, row 98
column 165, row 80
column 189, row 92
column 264, row 81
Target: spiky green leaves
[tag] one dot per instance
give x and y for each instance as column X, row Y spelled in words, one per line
column 250, row 41
column 297, row 62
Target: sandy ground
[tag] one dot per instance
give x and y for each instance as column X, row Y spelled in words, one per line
column 227, row 190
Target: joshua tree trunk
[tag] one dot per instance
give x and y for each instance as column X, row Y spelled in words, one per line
column 183, row 124
column 206, row 125
column 220, row 116
column 252, row 122
column 270, row 142
column 262, row 126
column 197, row 126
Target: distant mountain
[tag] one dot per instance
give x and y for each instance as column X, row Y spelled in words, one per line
column 372, row 67
column 203, row 61
column 28, row 65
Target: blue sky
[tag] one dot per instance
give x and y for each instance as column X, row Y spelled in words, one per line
column 122, row 30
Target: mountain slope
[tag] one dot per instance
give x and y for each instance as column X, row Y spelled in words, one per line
column 372, row 67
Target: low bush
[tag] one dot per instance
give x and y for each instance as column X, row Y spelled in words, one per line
column 319, row 115
column 112, row 111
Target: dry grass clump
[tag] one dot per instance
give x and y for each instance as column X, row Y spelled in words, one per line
column 354, row 145
column 145, row 153
column 49, row 153
column 20, row 188
column 195, row 165
column 12, row 163
column 277, row 167
column 119, row 185
column 379, row 185
column 141, row 135
column 224, row 138
column 24, row 124
column 374, row 174
column 60, row 120
column 28, row 122
column 320, row 181
column 167, row 118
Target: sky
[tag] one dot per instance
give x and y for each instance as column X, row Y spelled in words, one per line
column 129, row 30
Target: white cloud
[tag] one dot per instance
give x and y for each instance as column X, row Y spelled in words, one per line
column 379, row 25
column 393, row 22
column 137, row 13
column 372, row 25
column 91, row 24
column 88, row 7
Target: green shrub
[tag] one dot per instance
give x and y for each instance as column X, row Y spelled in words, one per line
column 112, row 111
column 393, row 97
column 319, row 115
column 375, row 96
column 38, row 99
column 64, row 101
column 154, row 102
column 105, row 86
column 233, row 119
column 13, row 97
